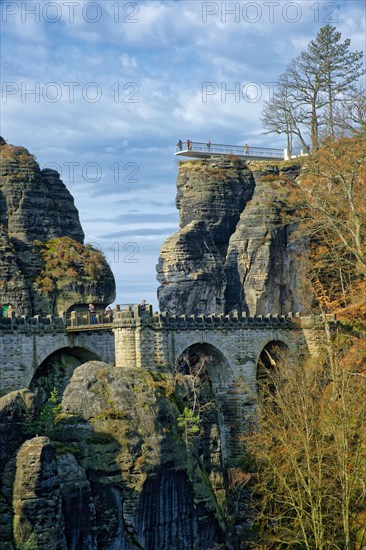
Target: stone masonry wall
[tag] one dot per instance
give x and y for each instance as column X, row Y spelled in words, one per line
column 232, row 343
column 26, row 343
column 150, row 340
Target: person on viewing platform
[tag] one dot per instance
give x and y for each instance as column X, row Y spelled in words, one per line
column 246, row 149
column 142, row 305
column 209, row 145
column 189, row 144
column 92, row 314
column 179, row 145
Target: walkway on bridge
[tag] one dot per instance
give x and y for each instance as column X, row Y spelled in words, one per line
column 196, row 149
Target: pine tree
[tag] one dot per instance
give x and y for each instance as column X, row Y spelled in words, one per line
column 338, row 68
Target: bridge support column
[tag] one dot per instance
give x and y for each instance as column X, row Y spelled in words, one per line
column 125, row 346
column 134, row 338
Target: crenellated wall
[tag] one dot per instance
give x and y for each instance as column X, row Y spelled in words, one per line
column 148, row 340
column 151, row 340
column 157, row 339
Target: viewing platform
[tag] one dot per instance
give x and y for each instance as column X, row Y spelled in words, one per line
column 196, row 149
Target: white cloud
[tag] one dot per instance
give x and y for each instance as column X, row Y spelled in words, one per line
column 128, row 61
column 160, row 53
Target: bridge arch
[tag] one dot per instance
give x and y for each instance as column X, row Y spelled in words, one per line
column 56, row 370
column 209, row 365
column 218, row 366
column 274, row 354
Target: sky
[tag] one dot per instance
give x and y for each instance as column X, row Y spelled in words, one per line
column 101, row 91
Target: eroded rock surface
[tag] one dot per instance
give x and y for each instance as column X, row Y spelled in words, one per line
column 124, row 477
column 15, row 408
column 211, row 195
column 35, row 205
column 234, row 249
column 38, row 519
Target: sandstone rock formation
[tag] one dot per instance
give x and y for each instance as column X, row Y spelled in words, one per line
column 234, row 249
column 37, row 507
column 122, row 477
column 211, row 196
column 36, row 206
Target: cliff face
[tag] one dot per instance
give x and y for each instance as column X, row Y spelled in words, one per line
column 36, row 206
column 211, row 196
column 234, row 249
column 119, row 473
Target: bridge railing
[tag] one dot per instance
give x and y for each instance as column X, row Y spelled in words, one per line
column 85, row 319
column 51, row 322
column 221, row 149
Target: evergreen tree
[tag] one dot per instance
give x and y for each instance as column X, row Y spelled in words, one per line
column 338, row 68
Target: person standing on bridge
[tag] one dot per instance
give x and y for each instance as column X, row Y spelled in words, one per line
column 179, row 145
column 10, row 313
column 209, row 145
column 92, row 314
column 109, row 314
column 246, row 149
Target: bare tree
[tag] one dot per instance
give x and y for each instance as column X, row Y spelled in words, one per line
column 350, row 113
column 321, row 76
column 280, row 116
column 309, row 450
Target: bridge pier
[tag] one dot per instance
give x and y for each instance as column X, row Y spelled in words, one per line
column 134, row 338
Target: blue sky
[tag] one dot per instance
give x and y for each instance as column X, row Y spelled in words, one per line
column 102, row 91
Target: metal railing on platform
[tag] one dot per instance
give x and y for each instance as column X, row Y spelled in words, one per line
column 221, row 149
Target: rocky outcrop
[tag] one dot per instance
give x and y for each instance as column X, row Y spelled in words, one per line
column 211, row 196
column 36, row 206
column 15, row 408
column 263, row 263
column 234, row 249
column 80, row 527
column 190, row 259
column 38, row 519
column 124, row 477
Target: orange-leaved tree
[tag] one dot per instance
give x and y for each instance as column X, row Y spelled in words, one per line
column 328, row 200
column 309, row 445
column 309, row 449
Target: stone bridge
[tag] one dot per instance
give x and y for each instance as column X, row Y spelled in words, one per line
column 27, row 343
column 233, row 346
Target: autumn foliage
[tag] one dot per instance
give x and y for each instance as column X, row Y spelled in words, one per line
column 67, row 262
column 310, row 453
column 308, row 443
column 329, row 203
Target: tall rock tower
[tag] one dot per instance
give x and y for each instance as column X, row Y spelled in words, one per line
column 234, row 249
column 36, row 211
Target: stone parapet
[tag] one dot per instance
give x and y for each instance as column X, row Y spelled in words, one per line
column 133, row 316
column 32, row 325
